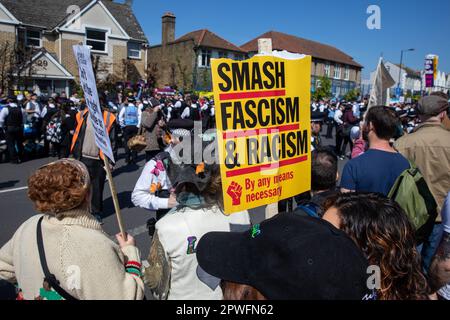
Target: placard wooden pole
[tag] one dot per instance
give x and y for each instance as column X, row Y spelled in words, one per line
column 265, row 47
column 112, row 186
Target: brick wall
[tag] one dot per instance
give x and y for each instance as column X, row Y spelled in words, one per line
column 175, row 64
column 49, row 43
column 140, row 65
column 136, row 67
column 7, row 37
column 318, row 69
column 119, row 54
column 68, row 59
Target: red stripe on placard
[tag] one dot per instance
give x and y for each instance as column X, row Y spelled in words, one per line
column 266, row 167
column 252, row 95
column 257, row 132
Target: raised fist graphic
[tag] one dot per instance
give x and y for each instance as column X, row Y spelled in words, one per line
column 235, row 192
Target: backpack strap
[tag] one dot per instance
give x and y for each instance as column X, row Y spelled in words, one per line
column 49, row 277
column 306, row 209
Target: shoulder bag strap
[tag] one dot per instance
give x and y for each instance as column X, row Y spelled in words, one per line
column 50, row 278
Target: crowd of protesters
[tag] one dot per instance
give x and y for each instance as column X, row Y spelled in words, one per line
column 358, row 223
column 41, row 126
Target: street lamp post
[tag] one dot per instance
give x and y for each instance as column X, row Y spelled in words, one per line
column 401, row 67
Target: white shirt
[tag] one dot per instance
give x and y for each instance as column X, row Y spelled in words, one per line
column 187, row 111
column 169, row 113
column 356, row 110
column 45, row 109
column 338, row 117
column 205, row 107
column 178, row 104
column 141, row 196
column 122, row 116
column 75, row 100
column 37, row 109
column 5, row 112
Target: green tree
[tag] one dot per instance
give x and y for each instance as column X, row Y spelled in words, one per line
column 352, row 95
column 323, row 90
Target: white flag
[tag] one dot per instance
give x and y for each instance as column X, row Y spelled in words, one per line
column 87, row 81
column 382, row 82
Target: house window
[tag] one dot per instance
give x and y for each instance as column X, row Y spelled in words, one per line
column 327, row 70
column 33, row 38
column 337, row 72
column 134, row 50
column 205, row 59
column 347, row 73
column 96, row 39
column 223, row 54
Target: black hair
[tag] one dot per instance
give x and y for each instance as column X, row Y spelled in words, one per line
column 384, row 121
column 324, row 169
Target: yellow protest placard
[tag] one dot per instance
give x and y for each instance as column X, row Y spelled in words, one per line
column 263, row 128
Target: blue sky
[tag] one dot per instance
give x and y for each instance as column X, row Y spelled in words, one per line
column 419, row 24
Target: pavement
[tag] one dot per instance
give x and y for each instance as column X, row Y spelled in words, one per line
column 16, row 208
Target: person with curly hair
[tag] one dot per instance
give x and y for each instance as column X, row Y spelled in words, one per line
column 63, row 253
column 381, row 229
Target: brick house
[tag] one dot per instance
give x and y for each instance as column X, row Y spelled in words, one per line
column 185, row 62
column 50, row 28
column 344, row 72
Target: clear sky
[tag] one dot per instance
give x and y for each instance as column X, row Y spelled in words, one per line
column 420, row 24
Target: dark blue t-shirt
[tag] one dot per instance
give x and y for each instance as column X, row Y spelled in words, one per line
column 374, row 171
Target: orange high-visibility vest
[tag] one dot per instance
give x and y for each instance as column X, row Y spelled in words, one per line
column 108, row 119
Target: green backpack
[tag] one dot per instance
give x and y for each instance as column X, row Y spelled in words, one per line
column 411, row 192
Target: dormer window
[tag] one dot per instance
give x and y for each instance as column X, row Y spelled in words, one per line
column 33, row 38
column 96, row 39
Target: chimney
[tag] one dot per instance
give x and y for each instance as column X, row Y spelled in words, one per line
column 168, row 28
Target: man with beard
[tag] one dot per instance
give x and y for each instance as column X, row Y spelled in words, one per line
column 153, row 190
column 379, row 167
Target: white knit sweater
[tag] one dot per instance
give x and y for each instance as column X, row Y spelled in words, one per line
column 86, row 262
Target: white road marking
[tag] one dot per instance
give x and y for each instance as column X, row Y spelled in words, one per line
column 138, row 231
column 13, row 190
column 134, row 232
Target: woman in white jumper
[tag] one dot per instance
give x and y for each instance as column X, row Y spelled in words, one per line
column 64, row 254
column 174, row 273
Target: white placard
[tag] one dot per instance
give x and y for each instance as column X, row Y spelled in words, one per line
column 87, row 82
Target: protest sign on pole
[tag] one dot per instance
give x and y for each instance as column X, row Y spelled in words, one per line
column 381, row 83
column 263, row 126
column 89, row 85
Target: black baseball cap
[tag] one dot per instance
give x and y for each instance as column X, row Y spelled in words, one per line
column 184, row 124
column 289, row 257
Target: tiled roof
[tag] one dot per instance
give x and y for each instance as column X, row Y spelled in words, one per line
column 283, row 41
column 126, row 18
column 206, row 38
column 49, row 14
